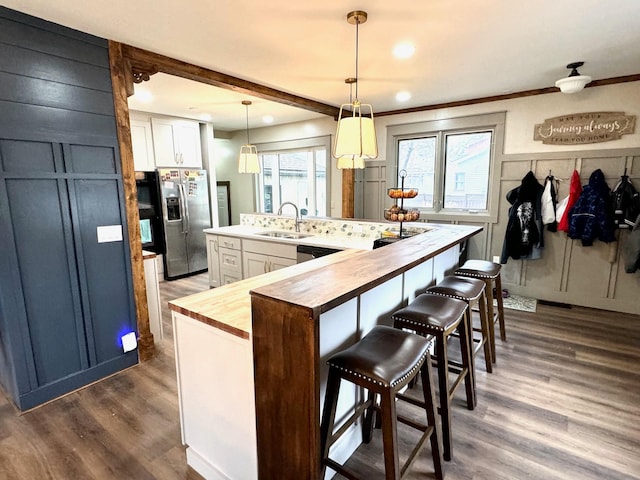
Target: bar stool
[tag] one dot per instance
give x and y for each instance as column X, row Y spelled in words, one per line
column 489, row 272
column 470, row 290
column 440, row 316
column 383, row 362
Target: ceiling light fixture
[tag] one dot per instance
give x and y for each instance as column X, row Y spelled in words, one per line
column 248, row 159
column 404, row 50
column 574, row 82
column 355, row 139
column 403, row 96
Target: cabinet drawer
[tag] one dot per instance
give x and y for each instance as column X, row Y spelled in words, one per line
column 227, row 276
column 230, row 259
column 230, row 242
column 285, row 250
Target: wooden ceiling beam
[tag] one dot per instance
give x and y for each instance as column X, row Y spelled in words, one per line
column 160, row 63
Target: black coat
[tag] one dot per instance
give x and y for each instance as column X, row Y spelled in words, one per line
column 523, row 236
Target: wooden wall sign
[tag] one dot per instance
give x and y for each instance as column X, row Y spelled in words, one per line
column 579, row 128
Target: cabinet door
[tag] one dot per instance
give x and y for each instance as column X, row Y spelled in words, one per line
column 176, row 143
column 254, row 264
column 212, row 260
column 142, row 142
column 276, row 263
column 164, row 147
column 187, row 138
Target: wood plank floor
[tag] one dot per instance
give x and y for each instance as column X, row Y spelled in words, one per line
column 563, row 403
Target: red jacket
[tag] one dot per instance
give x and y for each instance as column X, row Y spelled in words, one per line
column 575, row 189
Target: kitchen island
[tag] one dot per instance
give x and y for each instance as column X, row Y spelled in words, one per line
column 250, row 355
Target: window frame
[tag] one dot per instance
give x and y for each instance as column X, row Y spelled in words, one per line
column 311, row 144
column 493, row 122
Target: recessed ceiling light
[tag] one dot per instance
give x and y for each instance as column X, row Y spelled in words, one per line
column 267, row 119
column 143, row 96
column 403, row 96
column 404, row 50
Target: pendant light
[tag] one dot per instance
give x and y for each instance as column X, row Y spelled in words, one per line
column 248, row 161
column 574, row 82
column 355, row 139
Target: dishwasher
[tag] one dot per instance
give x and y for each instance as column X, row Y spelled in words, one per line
column 308, row 252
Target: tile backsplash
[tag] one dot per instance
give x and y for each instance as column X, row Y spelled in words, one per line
column 325, row 226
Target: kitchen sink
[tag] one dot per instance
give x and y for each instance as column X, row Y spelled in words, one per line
column 288, row 235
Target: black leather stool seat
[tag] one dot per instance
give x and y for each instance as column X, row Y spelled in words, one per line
column 467, row 289
column 384, row 357
column 440, row 316
column 471, row 290
column 479, row 269
column 383, row 362
column 489, row 272
column 430, row 314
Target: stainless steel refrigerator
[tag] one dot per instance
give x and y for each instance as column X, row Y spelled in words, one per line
column 186, row 212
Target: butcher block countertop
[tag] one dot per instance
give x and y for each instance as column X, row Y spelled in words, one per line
column 321, row 283
column 229, row 307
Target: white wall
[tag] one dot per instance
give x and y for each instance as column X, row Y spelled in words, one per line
column 522, row 115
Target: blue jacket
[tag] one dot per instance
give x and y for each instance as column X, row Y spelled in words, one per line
column 592, row 215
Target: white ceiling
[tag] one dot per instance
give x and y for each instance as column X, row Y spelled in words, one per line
column 465, row 49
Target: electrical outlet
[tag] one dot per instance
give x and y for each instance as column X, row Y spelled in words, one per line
column 496, row 259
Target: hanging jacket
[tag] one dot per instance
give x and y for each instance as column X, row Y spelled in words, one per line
column 626, row 203
column 631, row 249
column 562, row 213
column 523, row 236
column 591, row 217
column 549, row 202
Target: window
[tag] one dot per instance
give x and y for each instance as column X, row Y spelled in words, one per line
column 449, row 162
column 297, row 175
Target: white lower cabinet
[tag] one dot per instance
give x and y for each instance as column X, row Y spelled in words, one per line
column 230, row 265
column 231, row 259
column 262, row 257
column 224, row 257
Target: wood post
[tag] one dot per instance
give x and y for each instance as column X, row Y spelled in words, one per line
column 119, row 76
column 348, row 193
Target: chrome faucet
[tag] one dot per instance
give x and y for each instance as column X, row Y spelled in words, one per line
column 297, row 213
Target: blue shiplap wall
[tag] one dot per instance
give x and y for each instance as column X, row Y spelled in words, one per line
column 65, row 299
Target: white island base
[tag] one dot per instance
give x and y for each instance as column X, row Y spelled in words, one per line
column 217, row 409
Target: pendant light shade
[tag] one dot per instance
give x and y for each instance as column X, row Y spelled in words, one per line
column 355, row 139
column 248, row 161
column 574, row 82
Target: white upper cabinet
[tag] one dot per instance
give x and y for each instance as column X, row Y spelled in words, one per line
column 142, row 142
column 176, row 143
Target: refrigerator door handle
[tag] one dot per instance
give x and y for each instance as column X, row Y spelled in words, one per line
column 185, row 209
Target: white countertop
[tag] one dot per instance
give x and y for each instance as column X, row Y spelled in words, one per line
column 340, row 242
